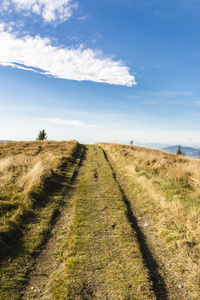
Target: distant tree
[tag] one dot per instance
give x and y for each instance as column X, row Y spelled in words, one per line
column 42, row 135
column 179, row 152
column 131, row 143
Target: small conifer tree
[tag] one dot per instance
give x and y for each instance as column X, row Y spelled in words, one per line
column 179, row 152
column 42, row 135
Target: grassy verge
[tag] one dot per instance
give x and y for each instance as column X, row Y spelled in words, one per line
column 165, row 188
column 102, row 259
column 34, row 178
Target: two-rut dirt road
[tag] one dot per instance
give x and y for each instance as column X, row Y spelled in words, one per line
column 97, row 249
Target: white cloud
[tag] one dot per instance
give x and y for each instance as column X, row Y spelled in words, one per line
column 50, row 10
column 5, row 5
column 2, row 26
column 66, row 63
column 82, row 18
column 36, row 9
column 65, row 122
column 7, row 26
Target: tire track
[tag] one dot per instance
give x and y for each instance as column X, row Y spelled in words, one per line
column 46, row 262
column 158, row 282
column 102, row 259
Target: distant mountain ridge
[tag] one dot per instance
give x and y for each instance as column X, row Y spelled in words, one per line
column 3, row 141
column 187, row 151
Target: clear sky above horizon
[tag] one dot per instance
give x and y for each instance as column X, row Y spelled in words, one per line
column 101, row 71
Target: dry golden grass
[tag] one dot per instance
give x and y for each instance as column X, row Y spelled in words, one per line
column 34, row 180
column 177, row 168
column 25, row 168
column 167, row 189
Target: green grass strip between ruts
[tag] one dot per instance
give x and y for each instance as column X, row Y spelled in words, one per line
column 102, row 258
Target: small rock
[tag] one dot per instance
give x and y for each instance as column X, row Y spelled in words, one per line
column 32, row 288
column 180, row 286
column 147, row 224
column 140, row 218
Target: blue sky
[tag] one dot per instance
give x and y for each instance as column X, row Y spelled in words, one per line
column 111, row 71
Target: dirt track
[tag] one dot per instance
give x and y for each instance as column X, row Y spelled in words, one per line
column 47, row 262
column 107, row 229
column 167, row 284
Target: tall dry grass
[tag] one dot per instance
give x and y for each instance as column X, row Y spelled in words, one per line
column 164, row 188
column 170, row 166
column 172, row 182
column 24, row 169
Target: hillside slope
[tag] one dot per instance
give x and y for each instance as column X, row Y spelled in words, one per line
column 102, row 221
column 164, row 193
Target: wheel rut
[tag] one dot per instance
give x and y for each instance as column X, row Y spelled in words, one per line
column 167, row 283
column 46, row 262
column 158, row 283
column 102, row 259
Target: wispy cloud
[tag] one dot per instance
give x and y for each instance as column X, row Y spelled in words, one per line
column 49, row 10
column 82, row 18
column 164, row 97
column 66, row 63
column 78, row 123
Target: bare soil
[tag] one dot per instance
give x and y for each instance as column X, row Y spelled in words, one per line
column 47, row 261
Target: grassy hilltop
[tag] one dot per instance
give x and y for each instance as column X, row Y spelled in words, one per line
column 124, row 220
